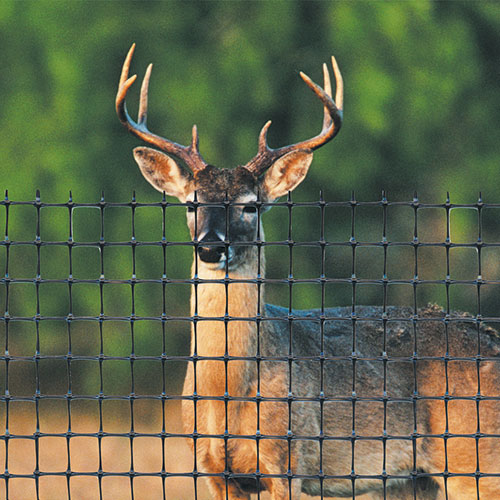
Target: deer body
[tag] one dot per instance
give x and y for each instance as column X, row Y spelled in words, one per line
column 341, row 417
column 337, row 455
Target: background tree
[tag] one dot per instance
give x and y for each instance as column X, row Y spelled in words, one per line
column 422, row 114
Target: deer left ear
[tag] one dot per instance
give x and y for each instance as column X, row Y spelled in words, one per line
column 162, row 172
column 286, row 173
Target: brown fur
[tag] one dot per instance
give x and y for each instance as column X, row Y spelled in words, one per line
column 273, row 454
column 445, row 429
column 423, row 404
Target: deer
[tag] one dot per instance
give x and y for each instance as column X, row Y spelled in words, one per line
column 389, row 402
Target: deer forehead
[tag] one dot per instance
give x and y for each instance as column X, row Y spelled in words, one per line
column 218, row 184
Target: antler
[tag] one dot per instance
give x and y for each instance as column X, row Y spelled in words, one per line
column 332, row 122
column 189, row 154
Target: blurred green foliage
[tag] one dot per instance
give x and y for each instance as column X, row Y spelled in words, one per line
column 422, row 113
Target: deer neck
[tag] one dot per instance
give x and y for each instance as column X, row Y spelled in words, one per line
column 236, row 337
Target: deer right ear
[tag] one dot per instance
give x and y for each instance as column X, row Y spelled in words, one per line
column 286, row 173
column 162, row 172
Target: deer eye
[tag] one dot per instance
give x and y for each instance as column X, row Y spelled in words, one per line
column 190, row 209
column 249, row 210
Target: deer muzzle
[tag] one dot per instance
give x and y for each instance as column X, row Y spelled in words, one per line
column 211, row 249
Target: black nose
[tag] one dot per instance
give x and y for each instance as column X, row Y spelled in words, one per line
column 211, row 254
column 211, row 248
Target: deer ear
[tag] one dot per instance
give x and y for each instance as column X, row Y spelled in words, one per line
column 286, row 173
column 162, row 172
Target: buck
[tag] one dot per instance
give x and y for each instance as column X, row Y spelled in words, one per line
column 322, row 402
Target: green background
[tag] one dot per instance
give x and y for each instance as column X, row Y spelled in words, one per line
column 422, row 112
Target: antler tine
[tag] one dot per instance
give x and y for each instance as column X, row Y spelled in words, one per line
column 195, row 139
column 335, row 121
column 143, row 103
column 126, row 66
column 263, row 147
column 332, row 121
column 339, row 82
column 189, row 154
column 327, row 119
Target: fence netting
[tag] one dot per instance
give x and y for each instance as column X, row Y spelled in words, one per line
column 390, row 377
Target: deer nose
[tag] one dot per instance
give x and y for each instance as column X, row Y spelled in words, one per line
column 211, row 254
column 211, row 248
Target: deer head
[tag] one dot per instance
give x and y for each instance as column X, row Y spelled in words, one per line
column 271, row 174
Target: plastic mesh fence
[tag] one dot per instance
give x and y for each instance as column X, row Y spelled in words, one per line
column 96, row 322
